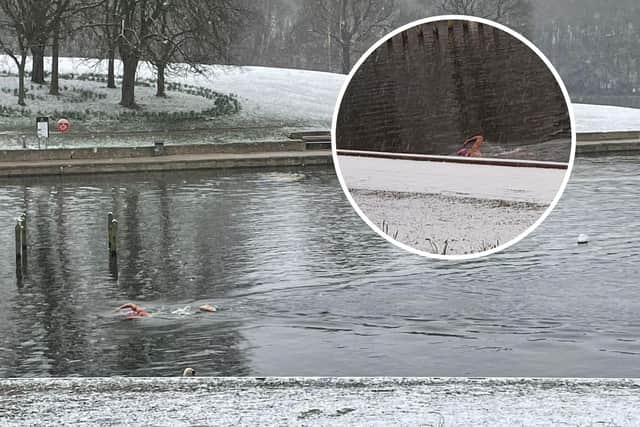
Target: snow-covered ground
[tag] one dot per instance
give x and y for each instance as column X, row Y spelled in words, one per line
column 533, row 185
column 463, row 207
column 446, row 225
column 605, row 118
column 269, row 93
column 321, row 401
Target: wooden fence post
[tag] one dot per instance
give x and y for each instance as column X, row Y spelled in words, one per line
column 18, row 251
column 109, row 219
column 113, row 237
column 23, row 223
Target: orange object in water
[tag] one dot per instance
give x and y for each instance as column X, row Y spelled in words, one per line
column 135, row 310
column 474, row 151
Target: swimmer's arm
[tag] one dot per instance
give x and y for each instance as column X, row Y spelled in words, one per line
column 472, row 139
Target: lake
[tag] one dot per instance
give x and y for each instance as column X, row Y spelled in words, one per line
column 304, row 287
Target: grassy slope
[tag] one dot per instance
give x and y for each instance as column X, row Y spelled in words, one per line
column 270, row 101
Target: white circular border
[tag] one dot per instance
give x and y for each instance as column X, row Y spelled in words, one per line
column 567, row 100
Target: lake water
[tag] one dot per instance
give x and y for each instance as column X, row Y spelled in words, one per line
column 304, row 287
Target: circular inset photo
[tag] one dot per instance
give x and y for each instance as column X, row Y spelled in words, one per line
column 453, row 137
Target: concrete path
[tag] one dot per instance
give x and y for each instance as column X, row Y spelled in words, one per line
column 165, row 163
column 534, row 185
column 320, row 402
column 608, row 142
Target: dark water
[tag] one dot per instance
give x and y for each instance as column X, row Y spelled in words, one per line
column 305, row 288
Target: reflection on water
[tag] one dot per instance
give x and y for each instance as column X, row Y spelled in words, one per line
column 305, row 288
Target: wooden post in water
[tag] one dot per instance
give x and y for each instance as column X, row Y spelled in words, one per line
column 113, row 237
column 109, row 219
column 18, row 252
column 113, row 246
column 23, row 241
column 113, row 266
column 23, row 223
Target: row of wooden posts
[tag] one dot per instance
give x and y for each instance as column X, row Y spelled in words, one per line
column 21, row 245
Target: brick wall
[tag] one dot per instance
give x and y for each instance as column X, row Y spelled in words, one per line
column 428, row 88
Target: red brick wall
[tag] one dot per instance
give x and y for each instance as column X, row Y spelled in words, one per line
column 428, row 88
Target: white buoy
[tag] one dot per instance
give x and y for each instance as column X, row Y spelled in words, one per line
column 583, row 239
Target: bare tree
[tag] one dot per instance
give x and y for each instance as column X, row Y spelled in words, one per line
column 20, row 20
column 60, row 8
column 101, row 21
column 191, row 32
column 490, row 9
column 136, row 18
column 40, row 13
column 513, row 13
column 110, row 33
column 271, row 23
column 348, row 23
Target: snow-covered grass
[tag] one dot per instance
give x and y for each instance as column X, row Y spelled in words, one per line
column 268, row 97
column 321, row 401
column 606, row 118
column 464, row 208
column 85, row 99
column 446, row 225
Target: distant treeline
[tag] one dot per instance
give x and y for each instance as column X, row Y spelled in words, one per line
column 595, row 44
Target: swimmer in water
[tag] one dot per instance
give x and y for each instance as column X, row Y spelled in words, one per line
column 474, row 150
column 134, row 310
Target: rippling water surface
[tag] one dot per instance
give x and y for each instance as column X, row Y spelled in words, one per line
column 305, row 288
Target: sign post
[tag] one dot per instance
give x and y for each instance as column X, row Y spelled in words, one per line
column 42, row 128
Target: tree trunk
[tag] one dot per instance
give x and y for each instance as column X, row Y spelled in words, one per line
column 160, row 81
column 54, row 88
column 23, row 60
column 37, row 71
column 346, row 58
column 130, row 64
column 111, row 75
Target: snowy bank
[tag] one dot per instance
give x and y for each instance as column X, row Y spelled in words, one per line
column 605, row 118
column 320, row 401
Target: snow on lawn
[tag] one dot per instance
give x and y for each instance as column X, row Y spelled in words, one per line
column 435, row 223
column 280, row 94
column 605, row 118
column 92, row 96
column 464, row 207
column 272, row 93
column 322, row 402
column 533, row 185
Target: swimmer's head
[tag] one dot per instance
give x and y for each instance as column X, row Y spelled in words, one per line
column 189, row 372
